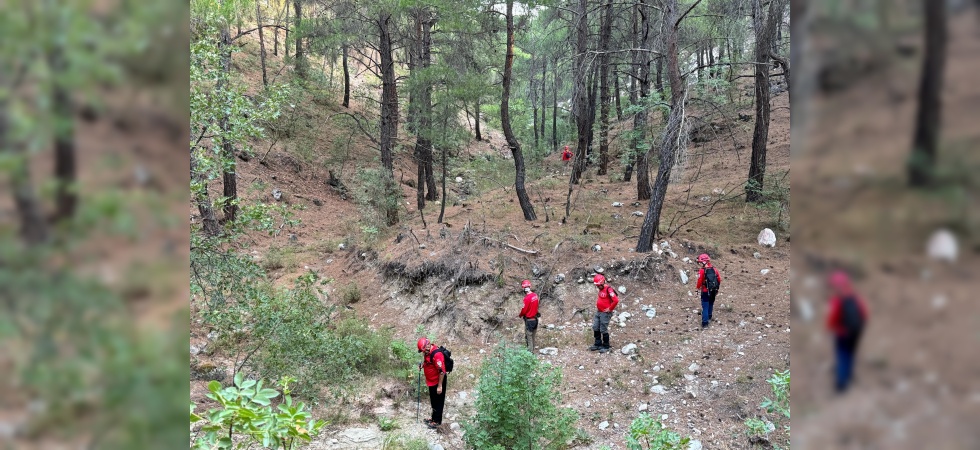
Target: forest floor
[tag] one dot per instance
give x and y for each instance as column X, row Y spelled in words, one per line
column 712, row 379
column 914, row 388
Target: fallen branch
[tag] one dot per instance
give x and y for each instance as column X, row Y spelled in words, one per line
column 525, row 251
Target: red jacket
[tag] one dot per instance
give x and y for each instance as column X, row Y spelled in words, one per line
column 608, row 299
column 530, row 310
column 433, row 364
column 703, row 283
column 566, row 155
column 834, row 316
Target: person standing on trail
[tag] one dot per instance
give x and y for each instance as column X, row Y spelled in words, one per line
column 605, row 304
column 530, row 314
column 846, row 317
column 709, row 280
column 566, row 156
column 434, row 366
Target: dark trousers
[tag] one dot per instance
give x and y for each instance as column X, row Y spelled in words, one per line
column 530, row 329
column 438, row 400
column 707, row 306
column 845, row 349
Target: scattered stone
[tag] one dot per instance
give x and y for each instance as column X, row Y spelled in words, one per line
column 636, row 203
column 359, row 436
column 694, row 445
column 548, row 351
column 559, row 278
column 757, row 255
column 277, row 194
column 718, row 191
column 421, row 246
column 213, row 335
column 617, row 205
column 691, row 391
column 195, row 350
column 671, row 253
column 454, row 426
column 550, row 326
column 637, row 214
column 604, row 425
column 764, row 271
column 767, row 238
column 580, row 280
column 462, row 395
column 622, row 289
column 598, row 269
column 643, row 407
column 706, row 198
column 624, row 316
column 652, row 312
column 293, row 237
column 435, row 446
column 581, row 367
column 656, row 368
column 459, row 179
column 597, row 248
column 658, row 389
column 341, row 246
column 686, row 259
column 689, row 377
column 694, row 367
column 317, row 202
column 665, row 246
column 942, row 246
column 683, row 277
column 628, row 349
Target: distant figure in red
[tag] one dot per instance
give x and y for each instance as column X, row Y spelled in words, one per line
column 434, row 366
column 846, row 317
column 566, row 155
column 709, row 281
column 530, row 314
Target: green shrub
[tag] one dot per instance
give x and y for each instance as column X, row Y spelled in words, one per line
column 518, row 404
column 246, row 412
column 762, row 427
column 402, row 442
column 646, row 433
column 350, row 294
column 387, row 423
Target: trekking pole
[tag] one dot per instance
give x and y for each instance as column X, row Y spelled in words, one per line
column 418, row 395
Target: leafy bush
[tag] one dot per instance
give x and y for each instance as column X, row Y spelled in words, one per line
column 350, row 294
column 387, row 424
column 759, row 428
column 517, row 405
column 246, row 411
column 401, row 442
column 647, row 433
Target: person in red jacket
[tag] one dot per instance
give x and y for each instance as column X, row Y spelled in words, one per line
column 846, row 315
column 708, row 293
column 566, row 155
column 530, row 314
column 434, row 366
column 605, row 304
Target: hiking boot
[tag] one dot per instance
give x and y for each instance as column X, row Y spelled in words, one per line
column 604, row 349
column 598, row 341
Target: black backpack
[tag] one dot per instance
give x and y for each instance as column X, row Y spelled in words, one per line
column 851, row 317
column 711, row 279
column 447, row 355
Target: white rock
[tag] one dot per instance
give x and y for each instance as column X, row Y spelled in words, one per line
column 656, row 368
column 938, row 301
column 942, row 246
column 689, row 377
column 597, row 248
column 276, row 194
column 624, row 316
column 621, row 289
column 764, row 271
column 683, row 277
column 559, row 278
column 693, row 367
column 691, row 391
column 652, row 312
column 580, row 280
column 588, row 404
column 806, row 309
column 694, row 445
column 717, row 191
column 603, row 425
column 637, row 214
column 643, row 407
column 548, row 351
column 341, row 246
column 665, row 246
column 757, row 255
column 195, row 350
column 658, row 389
column 459, row 179
column 439, row 446
column 360, row 436
column 686, row 259
column 628, row 348
column 767, row 238
column 213, row 335
column 617, row 205
column 454, row 426
column 581, row 367
column 462, row 395
column 671, row 253
column 598, row 269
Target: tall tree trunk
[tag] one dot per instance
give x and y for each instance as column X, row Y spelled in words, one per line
column 640, row 146
column 554, row 108
column 764, row 28
column 619, row 106
column 515, row 147
column 660, row 75
column 711, row 60
column 344, row 50
column 300, row 54
column 423, row 111
column 604, row 37
column 928, row 121
column 635, row 58
column 64, row 145
column 580, row 74
column 389, row 117
column 544, row 97
column 229, row 166
column 671, row 133
column 285, row 42
column 476, row 119
column 533, row 97
column 258, row 20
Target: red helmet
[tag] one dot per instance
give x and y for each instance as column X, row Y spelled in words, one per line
column 599, row 280
column 525, row 284
column 423, row 343
column 704, row 258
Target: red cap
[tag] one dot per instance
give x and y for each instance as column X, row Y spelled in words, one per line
column 599, row 280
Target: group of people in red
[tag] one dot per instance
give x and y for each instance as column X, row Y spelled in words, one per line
column 847, row 314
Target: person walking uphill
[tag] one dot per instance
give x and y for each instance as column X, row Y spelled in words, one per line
column 605, row 304
column 709, row 280
column 530, row 314
column 846, row 317
column 434, row 366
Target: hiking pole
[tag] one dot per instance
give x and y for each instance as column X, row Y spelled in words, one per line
column 418, row 395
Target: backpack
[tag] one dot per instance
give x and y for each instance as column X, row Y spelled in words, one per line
column 711, row 280
column 447, row 355
column 851, row 317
